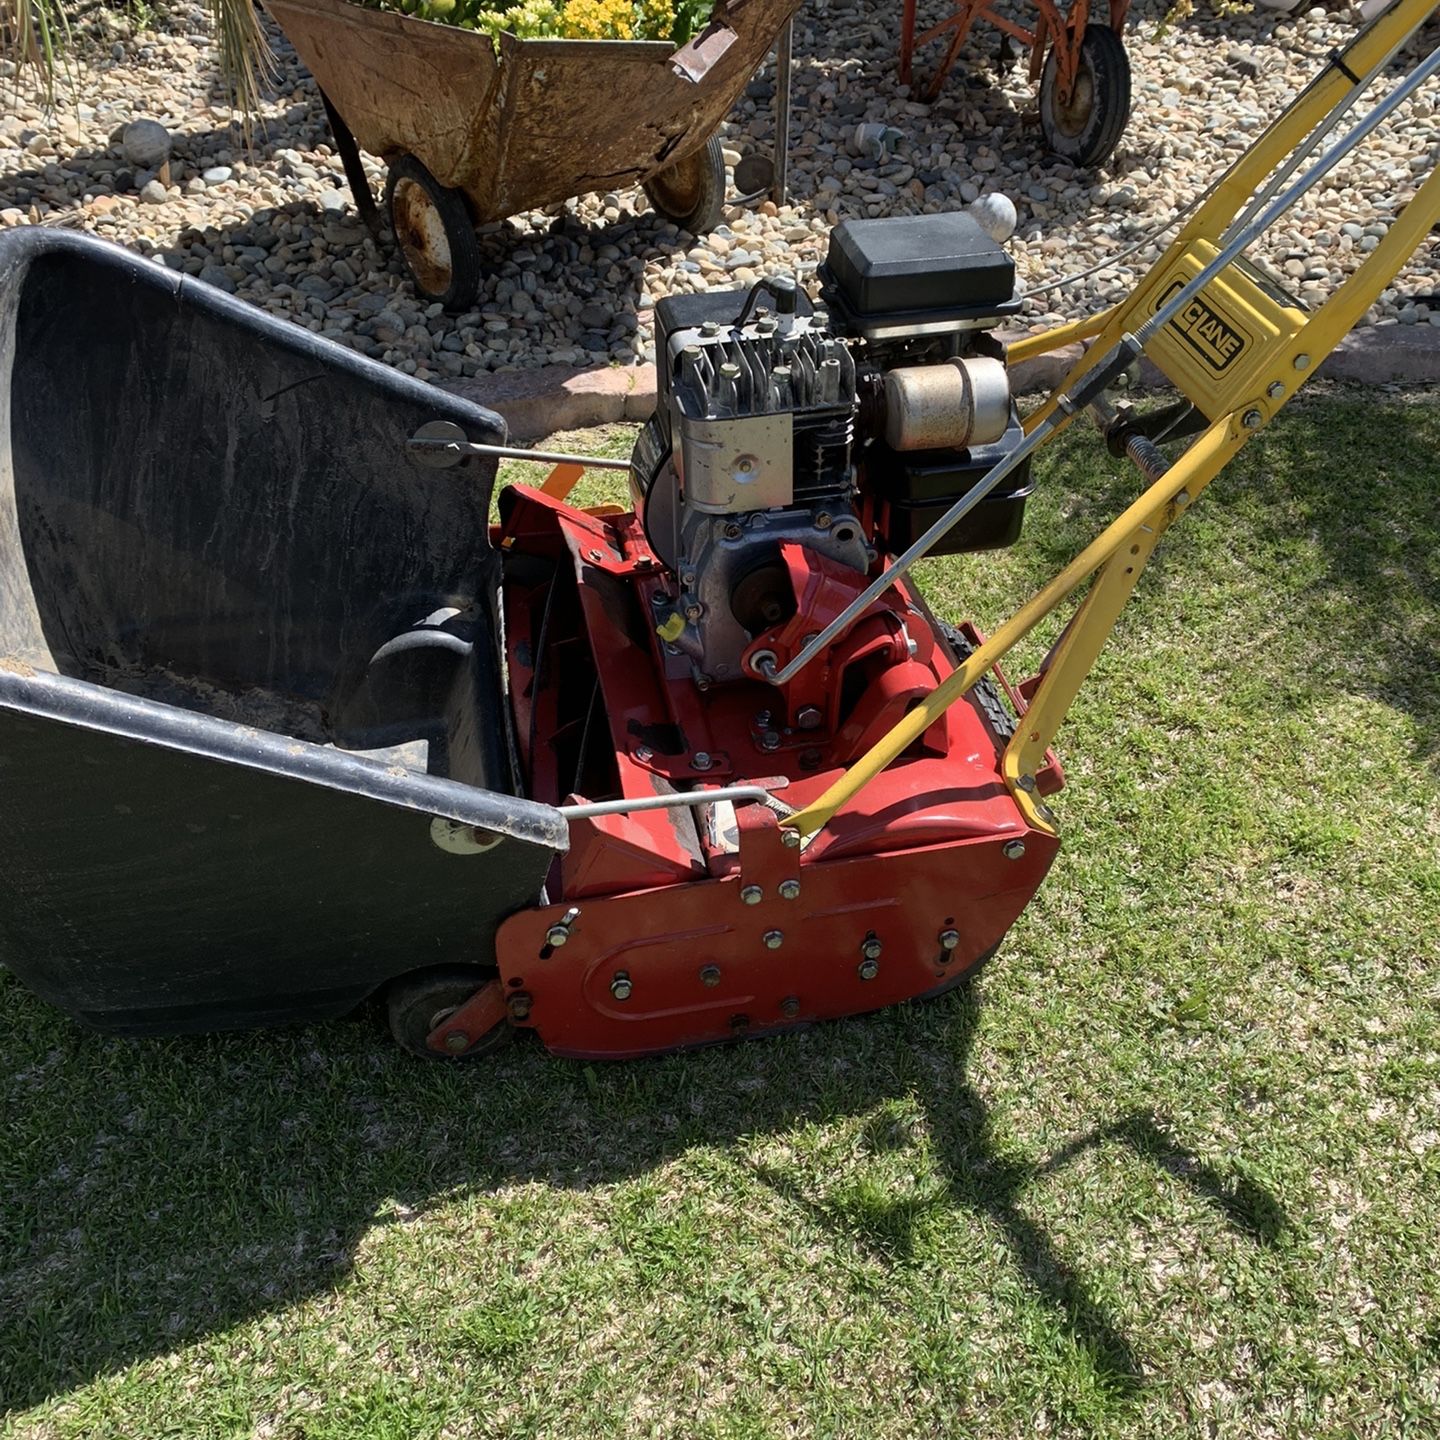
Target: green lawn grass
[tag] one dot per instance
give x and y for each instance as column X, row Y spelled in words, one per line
column 1170, row 1167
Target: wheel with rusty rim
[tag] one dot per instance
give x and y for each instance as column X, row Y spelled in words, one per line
column 1088, row 129
column 691, row 192
column 435, row 234
column 416, row 1003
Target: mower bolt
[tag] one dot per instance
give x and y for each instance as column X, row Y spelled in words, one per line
column 1252, row 420
column 595, row 555
column 823, row 520
column 1013, row 849
column 868, row 969
column 752, row 894
column 519, row 1006
column 809, row 718
column 701, row 760
column 1182, row 499
column 456, row 1041
column 870, row 948
column 731, row 531
column 557, row 934
column 644, row 754
column 762, row 719
column 710, row 329
column 774, row 939
column 949, row 939
column 694, row 610
column 703, row 682
column 789, row 889
column 1302, row 362
column 620, row 986
column 1026, row 783
column 790, row 839
column 1275, row 390
column 790, row 1006
column 659, row 600
column 1045, row 812
column 769, row 741
column 710, row 975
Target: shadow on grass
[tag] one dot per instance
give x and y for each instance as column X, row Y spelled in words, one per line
column 157, row 1192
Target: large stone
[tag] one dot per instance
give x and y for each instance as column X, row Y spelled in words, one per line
column 146, row 144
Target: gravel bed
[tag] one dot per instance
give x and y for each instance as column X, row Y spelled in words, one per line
column 274, row 222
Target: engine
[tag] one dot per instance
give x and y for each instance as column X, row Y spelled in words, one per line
column 797, row 443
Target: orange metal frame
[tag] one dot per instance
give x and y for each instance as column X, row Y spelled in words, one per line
column 1066, row 28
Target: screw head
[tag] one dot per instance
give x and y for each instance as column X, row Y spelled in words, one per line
column 1302, row 362
column 752, row 894
column 701, row 760
column 1026, row 783
column 519, row 1006
column 789, row 889
column 694, row 611
column 823, row 520
column 774, row 939
column 710, row 975
column 870, row 948
column 809, row 718
column 557, row 935
column 456, row 1041
column 790, row 1006
column 1252, row 420
column 620, row 986
column 790, row 839
column 731, row 531
column 868, row 969
column 769, row 741
column 949, row 939
column 1013, row 849
column 1275, row 390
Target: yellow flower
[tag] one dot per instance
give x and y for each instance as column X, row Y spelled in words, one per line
column 598, row 20
column 656, row 20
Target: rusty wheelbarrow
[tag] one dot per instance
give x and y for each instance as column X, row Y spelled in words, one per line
column 470, row 136
column 1079, row 64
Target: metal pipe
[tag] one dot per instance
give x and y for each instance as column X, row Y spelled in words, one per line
column 678, row 801
column 1094, row 381
column 511, row 452
column 782, row 112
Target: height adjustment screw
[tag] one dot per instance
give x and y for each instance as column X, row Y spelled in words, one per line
column 620, row 986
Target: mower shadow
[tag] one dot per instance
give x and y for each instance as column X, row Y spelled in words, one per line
column 157, row 1192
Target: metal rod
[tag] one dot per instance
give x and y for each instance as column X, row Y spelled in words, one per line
column 1119, row 356
column 510, row 452
column 782, row 112
column 679, row 801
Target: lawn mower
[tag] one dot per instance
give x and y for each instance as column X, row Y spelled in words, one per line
column 288, row 721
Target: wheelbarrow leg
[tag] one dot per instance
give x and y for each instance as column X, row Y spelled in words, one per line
column 354, row 170
column 782, row 113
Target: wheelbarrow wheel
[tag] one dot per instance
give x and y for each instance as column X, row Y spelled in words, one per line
column 691, row 192
column 415, row 1004
column 1087, row 129
column 435, row 234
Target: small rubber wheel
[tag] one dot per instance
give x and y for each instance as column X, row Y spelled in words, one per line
column 1087, row 129
column 435, row 234
column 418, row 1002
column 691, row 192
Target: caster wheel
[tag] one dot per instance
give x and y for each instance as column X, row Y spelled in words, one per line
column 1086, row 130
column 691, row 192
column 417, row 1003
column 435, row 234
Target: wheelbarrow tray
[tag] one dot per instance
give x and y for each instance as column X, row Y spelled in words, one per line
column 209, row 525
column 542, row 121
